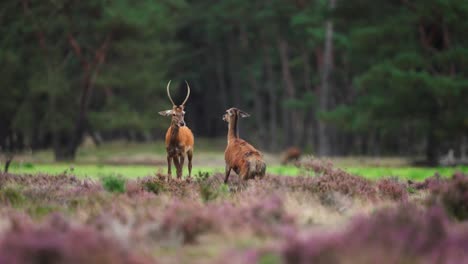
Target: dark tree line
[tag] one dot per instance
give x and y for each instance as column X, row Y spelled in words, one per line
column 334, row 77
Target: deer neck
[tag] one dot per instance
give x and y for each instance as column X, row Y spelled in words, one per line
column 174, row 134
column 233, row 131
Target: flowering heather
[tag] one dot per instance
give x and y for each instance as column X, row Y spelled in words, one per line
column 163, row 184
column 331, row 179
column 428, row 183
column 175, row 221
column 42, row 193
column 405, row 234
column 186, row 220
column 38, row 179
column 453, row 195
column 58, row 242
column 392, row 189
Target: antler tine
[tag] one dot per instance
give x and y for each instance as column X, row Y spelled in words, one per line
column 188, row 93
column 168, row 93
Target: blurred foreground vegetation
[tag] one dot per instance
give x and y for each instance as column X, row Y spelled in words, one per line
column 334, row 217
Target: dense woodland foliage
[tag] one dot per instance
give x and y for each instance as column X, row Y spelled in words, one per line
column 336, row 77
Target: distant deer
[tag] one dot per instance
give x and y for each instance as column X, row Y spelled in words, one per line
column 240, row 156
column 179, row 138
column 291, row 154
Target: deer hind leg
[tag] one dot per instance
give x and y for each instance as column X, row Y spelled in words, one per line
column 189, row 156
column 228, row 171
column 244, row 172
column 177, row 165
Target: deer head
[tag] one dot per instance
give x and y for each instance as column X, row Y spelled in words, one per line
column 177, row 112
column 233, row 114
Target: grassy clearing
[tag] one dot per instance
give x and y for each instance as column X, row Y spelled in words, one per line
column 135, row 171
column 120, row 158
column 125, row 150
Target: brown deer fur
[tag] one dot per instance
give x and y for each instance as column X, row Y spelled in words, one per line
column 291, row 154
column 179, row 138
column 240, row 156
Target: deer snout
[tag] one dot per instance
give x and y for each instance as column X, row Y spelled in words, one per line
column 181, row 123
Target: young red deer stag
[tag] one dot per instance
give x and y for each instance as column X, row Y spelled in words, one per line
column 292, row 154
column 240, row 156
column 179, row 138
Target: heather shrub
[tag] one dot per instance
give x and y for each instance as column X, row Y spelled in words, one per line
column 330, row 179
column 207, row 192
column 335, row 200
column 185, row 221
column 163, row 183
column 428, row 183
column 113, row 183
column 202, row 176
column 211, row 192
column 269, row 258
column 12, row 196
column 38, row 211
column 411, row 190
column 58, row 242
column 38, row 179
column 393, row 190
column 345, row 183
column 223, row 189
column 155, row 187
column 212, row 187
column 406, row 234
column 453, row 195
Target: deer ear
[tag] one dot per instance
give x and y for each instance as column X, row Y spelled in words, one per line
column 166, row 113
column 243, row 114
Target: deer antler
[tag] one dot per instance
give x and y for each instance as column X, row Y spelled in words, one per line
column 169, row 94
column 188, row 93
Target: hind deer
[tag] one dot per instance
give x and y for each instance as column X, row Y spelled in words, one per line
column 179, row 138
column 292, row 154
column 240, row 156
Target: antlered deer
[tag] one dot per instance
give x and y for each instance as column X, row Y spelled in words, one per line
column 291, row 154
column 179, row 138
column 240, row 156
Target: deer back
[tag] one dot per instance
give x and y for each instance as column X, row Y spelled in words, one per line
column 238, row 152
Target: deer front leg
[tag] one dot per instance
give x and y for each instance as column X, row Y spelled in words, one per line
column 169, row 165
column 177, row 165
column 189, row 156
column 181, row 164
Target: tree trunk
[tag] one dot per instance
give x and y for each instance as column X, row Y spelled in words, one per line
column 290, row 117
column 234, row 73
column 62, row 146
column 258, row 106
column 324, row 140
column 432, row 144
column 463, row 148
column 8, row 161
column 220, row 74
column 272, row 97
column 90, row 73
column 308, row 127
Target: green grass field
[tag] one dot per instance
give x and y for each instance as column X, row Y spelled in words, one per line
column 120, row 158
column 135, row 171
